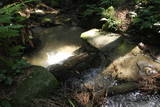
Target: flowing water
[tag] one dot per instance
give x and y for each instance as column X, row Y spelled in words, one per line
column 133, row 99
column 57, row 44
column 60, row 42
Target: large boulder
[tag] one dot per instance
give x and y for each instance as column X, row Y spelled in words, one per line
column 133, row 66
column 126, row 61
column 111, row 44
column 37, row 83
column 99, row 39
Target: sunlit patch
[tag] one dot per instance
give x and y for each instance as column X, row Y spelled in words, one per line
column 57, row 58
column 52, row 56
column 57, row 45
column 59, row 55
column 90, row 34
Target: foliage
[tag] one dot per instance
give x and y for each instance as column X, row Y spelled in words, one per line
column 108, row 3
column 105, row 9
column 147, row 22
column 5, row 103
column 6, row 75
column 10, row 45
column 71, row 103
column 148, row 16
column 140, row 1
column 111, row 21
column 92, row 9
column 98, row 8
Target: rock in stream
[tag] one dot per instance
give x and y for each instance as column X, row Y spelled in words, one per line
column 36, row 83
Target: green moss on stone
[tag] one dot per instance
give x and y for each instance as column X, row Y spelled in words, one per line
column 124, row 47
column 38, row 84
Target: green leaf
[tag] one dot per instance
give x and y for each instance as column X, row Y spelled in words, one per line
column 20, row 18
column 18, row 71
column 15, row 26
column 71, row 103
column 16, row 50
column 5, row 18
column 5, row 33
column 11, row 9
column 137, row 20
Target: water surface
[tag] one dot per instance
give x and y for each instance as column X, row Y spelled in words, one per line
column 58, row 43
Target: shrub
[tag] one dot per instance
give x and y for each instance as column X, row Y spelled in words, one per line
column 147, row 23
column 104, row 9
column 111, row 22
column 10, row 41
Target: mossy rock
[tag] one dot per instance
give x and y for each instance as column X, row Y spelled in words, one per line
column 111, row 44
column 39, row 83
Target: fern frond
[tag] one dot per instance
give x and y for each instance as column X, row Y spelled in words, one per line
column 5, row 18
column 14, row 7
column 10, row 9
column 5, row 32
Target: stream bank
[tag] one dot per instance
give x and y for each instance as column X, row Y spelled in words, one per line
column 88, row 71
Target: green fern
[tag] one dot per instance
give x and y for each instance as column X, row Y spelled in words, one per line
column 112, row 22
column 10, row 46
column 13, row 8
column 5, row 19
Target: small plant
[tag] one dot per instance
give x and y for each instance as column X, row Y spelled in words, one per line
column 104, row 9
column 111, row 22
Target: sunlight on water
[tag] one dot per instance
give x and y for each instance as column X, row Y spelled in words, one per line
column 57, row 58
column 57, row 44
column 52, row 56
column 59, row 55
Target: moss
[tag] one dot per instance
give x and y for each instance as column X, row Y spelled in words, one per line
column 39, row 83
column 124, row 47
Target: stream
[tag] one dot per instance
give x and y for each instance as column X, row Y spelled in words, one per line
column 55, row 47
column 133, row 99
column 60, row 42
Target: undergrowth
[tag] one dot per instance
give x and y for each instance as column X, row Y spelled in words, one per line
column 11, row 48
column 106, row 10
column 146, row 25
